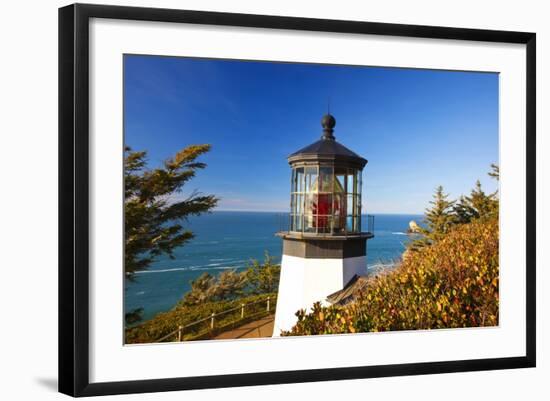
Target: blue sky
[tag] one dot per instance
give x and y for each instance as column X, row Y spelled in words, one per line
column 417, row 128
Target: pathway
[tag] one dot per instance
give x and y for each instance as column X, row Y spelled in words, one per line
column 256, row 329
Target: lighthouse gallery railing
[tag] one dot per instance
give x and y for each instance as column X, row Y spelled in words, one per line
column 283, row 222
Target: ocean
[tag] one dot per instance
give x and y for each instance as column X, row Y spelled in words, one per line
column 229, row 240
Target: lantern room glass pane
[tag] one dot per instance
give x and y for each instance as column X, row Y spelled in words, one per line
column 326, row 179
column 349, row 224
column 324, row 224
column 311, row 204
column 357, row 210
column 299, row 203
column 350, row 182
column 349, row 205
column 323, row 204
column 340, row 179
column 339, row 213
column 299, row 179
column 309, row 223
column 297, row 222
column 310, row 179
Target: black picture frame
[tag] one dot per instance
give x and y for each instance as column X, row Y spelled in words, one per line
column 74, row 198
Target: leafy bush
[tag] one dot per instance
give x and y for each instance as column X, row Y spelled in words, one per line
column 263, row 277
column 452, row 283
column 258, row 278
column 227, row 285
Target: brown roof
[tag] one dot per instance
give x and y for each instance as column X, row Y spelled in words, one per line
column 350, row 291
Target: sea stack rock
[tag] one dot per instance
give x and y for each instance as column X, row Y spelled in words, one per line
column 414, row 228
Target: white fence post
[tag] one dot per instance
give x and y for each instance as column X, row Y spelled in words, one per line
column 180, row 333
column 268, row 304
column 212, row 321
column 242, row 311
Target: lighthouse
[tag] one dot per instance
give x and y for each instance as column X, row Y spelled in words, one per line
column 324, row 247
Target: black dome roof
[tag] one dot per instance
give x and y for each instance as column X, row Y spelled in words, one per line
column 328, row 149
column 328, row 121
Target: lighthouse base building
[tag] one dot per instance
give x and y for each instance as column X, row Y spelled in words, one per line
column 311, row 270
column 324, row 248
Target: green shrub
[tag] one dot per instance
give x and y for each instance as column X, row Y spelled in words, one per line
column 452, row 283
column 258, row 278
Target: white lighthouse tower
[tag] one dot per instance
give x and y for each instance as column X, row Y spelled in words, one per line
column 324, row 247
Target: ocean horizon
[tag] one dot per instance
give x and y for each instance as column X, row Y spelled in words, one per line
column 227, row 239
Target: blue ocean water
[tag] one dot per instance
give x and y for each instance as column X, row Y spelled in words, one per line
column 229, row 240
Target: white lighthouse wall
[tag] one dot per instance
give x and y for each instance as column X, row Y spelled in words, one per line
column 353, row 266
column 306, row 281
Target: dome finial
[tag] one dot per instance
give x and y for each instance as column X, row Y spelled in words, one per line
column 328, row 122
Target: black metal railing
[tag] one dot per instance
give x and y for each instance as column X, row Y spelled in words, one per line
column 282, row 222
column 370, row 223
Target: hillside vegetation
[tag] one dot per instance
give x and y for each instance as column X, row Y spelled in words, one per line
column 214, row 294
column 166, row 322
column 452, row 283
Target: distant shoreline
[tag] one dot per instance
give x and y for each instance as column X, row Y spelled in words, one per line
column 286, row 212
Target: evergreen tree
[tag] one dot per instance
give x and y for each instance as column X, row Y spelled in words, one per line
column 439, row 218
column 477, row 205
column 152, row 215
column 463, row 211
column 495, row 171
column 481, row 203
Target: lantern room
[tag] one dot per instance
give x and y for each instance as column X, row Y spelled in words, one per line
column 326, row 187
